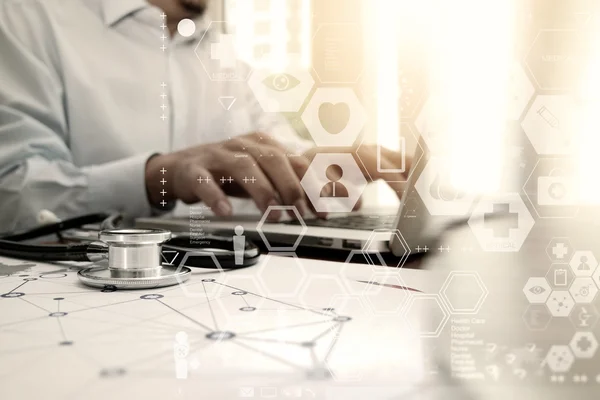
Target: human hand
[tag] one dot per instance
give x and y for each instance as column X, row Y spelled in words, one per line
column 276, row 175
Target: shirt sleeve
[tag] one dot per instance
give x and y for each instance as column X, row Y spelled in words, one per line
column 36, row 166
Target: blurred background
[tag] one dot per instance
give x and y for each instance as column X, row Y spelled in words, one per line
column 502, row 89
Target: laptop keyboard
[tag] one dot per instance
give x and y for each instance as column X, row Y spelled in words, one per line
column 358, row 222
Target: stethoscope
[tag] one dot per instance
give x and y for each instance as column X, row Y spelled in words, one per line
column 131, row 258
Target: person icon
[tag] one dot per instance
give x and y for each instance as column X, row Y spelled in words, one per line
column 239, row 244
column 334, row 188
column 583, row 264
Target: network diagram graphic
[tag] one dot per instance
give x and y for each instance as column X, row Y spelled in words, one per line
column 46, row 310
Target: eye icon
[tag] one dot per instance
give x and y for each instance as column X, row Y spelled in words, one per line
column 537, row 289
column 281, row 82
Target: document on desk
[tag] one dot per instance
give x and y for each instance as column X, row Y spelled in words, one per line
column 286, row 328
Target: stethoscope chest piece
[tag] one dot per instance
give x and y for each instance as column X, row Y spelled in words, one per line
column 134, row 261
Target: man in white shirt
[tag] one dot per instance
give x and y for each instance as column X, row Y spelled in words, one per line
column 105, row 106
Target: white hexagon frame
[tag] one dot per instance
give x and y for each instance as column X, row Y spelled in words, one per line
column 464, row 311
column 264, row 237
column 315, row 179
column 442, row 307
column 334, row 96
column 185, row 286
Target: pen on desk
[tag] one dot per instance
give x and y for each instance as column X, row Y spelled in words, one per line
column 390, row 285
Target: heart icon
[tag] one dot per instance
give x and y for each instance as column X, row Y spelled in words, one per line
column 334, row 117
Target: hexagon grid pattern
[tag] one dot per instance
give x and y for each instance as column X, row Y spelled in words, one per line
column 283, row 90
column 261, row 223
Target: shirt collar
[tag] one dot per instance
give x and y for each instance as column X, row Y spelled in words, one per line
column 116, row 10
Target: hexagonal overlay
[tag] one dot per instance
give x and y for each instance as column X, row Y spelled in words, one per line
column 284, row 90
column 373, row 255
column 438, row 195
column 507, row 234
column 560, row 276
column 334, row 116
column 584, row 344
column 549, row 125
column 339, row 59
column 333, row 182
column 584, row 316
column 559, row 249
column 464, row 292
column 406, row 130
column 553, row 58
column 197, row 287
column 537, row 290
column 537, row 317
column 560, row 303
column 281, row 279
column 426, row 314
column 521, row 90
column 559, row 358
column 583, row 289
column 583, row 263
column 552, row 188
column 270, row 247
column 216, row 52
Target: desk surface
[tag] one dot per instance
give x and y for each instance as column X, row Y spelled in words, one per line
column 288, row 328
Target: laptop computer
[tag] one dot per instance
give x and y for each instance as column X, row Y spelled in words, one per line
column 410, row 226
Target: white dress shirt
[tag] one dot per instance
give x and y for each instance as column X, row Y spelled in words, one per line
column 87, row 94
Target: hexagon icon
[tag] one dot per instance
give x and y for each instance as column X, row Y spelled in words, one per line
column 537, row 317
column 333, row 182
column 217, row 54
column 371, row 249
column 583, row 263
column 559, row 249
column 334, row 116
column 584, row 344
column 261, row 223
column 438, row 195
column 537, row 290
column 583, row 289
column 549, row 125
column 464, row 292
column 559, row 358
column 406, row 130
column 339, row 59
column 505, row 234
column 560, row 303
column 553, row 189
column 560, row 276
column 384, row 293
column 521, row 91
column 584, row 316
column 426, row 314
column 204, row 287
column 284, row 90
column 281, row 279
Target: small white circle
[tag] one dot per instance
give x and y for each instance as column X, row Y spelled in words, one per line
column 186, row 27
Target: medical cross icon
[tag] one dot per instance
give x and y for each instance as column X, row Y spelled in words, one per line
column 502, row 230
column 560, row 250
column 224, row 51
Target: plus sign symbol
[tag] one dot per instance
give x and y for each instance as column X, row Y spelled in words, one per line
column 559, row 249
column 224, row 51
column 501, row 224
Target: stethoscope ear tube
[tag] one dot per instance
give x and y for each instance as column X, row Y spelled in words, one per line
column 49, row 253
